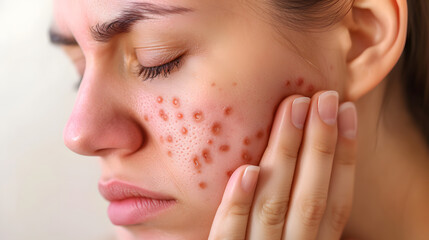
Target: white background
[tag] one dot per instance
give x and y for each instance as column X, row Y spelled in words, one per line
column 46, row 191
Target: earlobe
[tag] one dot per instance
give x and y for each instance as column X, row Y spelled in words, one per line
column 377, row 31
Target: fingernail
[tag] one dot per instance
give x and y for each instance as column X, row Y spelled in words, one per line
column 250, row 178
column 347, row 120
column 299, row 111
column 328, row 107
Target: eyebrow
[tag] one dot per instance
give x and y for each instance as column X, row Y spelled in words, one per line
column 135, row 12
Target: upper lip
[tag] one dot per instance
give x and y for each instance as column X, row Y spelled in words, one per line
column 116, row 190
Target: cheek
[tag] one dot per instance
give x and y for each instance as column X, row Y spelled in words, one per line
column 204, row 143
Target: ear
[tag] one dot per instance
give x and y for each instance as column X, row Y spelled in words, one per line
column 377, row 31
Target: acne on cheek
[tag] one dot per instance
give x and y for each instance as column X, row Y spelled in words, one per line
column 193, row 138
column 300, row 86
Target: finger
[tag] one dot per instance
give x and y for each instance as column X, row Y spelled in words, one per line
column 312, row 176
column 343, row 174
column 233, row 213
column 277, row 170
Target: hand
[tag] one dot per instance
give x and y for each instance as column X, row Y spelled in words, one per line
column 305, row 184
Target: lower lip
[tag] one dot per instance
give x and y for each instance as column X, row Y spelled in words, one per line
column 132, row 211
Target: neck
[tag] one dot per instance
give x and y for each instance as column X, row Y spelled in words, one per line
column 391, row 187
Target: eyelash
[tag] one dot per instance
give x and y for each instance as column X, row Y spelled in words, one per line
column 165, row 69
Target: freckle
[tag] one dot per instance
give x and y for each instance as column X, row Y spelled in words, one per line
column 227, row 110
column 310, row 88
column 159, row 99
column 169, row 139
column 246, row 157
column 176, row 102
column 146, row 118
column 169, row 153
column 198, row 116
column 197, row 164
column 206, row 156
column 216, row 128
column 224, row 148
column 184, row 131
column 234, row 84
column 299, row 82
column 260, row 134
column 229, row 173
column 179, row 115
column 209, row 142
column 246, row 141
column 203, row 185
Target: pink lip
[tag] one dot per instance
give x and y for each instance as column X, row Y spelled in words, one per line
column 130, row 204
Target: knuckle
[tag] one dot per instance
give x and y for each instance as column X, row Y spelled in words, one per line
column 288, row 152
column 312, row 210
column 324, row 149
column 273, row 211
column 239, row 209
column 339, row 216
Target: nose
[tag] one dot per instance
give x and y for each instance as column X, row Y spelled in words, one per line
column 101, row 124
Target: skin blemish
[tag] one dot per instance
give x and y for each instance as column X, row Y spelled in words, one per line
column 206, row 156
column 229, row 173
column 202, row 185
column 184, row 131
column 227, row 111
column 146, row 118
column 287, row 83
column 176, row 102
column 180, row 116
column 163, row 115
column 169, row 153
column 161, row 139
column 198, row 116
column 209, row 142
column 216, row 128
column 260, row 134
column 234, row 84
column 224, row 148
column 197, row 164
column 246, row 141
column 213, row 84
column 299, row 82
column 310, row 88
column 246, row 157
column 159, row 99
column 169, row 139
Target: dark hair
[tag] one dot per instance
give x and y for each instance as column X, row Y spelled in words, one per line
column 413, row 66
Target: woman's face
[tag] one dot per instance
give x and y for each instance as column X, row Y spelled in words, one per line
column 184, row 131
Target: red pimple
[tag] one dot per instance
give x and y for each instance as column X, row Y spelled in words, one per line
column 260, row 134
column 209, row 142
column 197, row 164
column 287, row 84
column 213, row 84
column 198, row 116
column 234, row 84
column 202, row 185
column 229, row 173
column 179, row 115
column 206, row 156
column 227, row 110
column 169, row 153
column 176, row 102
column 159, row 99
column 246, row 141
column 146, row 118
column 184, row 131
column 169, row 139
column 216, row 128
column 163, row 115
column 224, row 148
column 246, row 157
column 299, row 82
